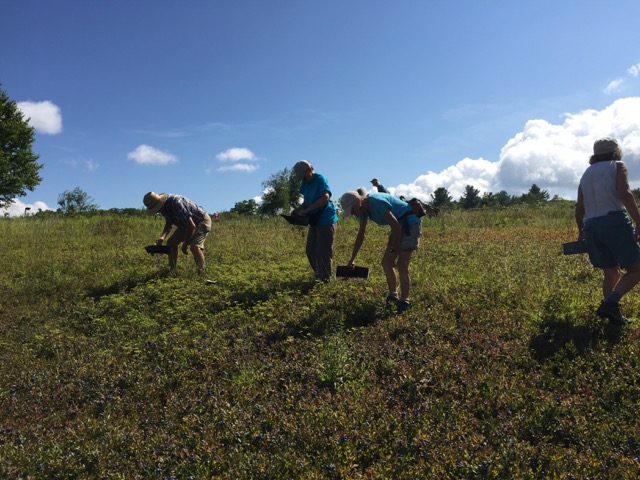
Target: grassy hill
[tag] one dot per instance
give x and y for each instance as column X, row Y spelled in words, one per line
column 113, row 367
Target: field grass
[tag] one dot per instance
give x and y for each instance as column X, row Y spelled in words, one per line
column 111, row 366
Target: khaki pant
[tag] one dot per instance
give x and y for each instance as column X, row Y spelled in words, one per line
column 199, row 235
column 320, row 250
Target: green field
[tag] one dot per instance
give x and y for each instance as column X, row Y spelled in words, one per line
column 111, row 366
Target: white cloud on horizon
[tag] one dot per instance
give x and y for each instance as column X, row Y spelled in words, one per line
column 45, row 116
column 551, row 156
column 18, row 208
column 147, row 155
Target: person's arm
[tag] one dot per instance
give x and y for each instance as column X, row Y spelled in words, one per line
column 189, row 229
column 580, row 214
column 165, row 231
column 396, row 230
column 626, row 196
column 324, row 198
column 359, row 242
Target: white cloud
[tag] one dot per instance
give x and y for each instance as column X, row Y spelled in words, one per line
column 236, row 155
column 240, row 155
column 634, row 70
column 90, row 164
column 146, row 155
column 238, row 167
column 614, row 86
column 551, row 156
column 44, row 116
column 18, row 208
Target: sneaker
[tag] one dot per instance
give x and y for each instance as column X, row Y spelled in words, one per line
column 402, row 305
column 392, row 298
column 612, row 312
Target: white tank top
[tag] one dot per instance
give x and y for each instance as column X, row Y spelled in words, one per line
column 599, row 193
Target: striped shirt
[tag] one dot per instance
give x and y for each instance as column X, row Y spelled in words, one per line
column 178, row 209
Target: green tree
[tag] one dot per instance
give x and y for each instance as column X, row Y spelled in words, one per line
column 18, row 167
column 281, row 193
column 502, row 198
column 535, row 195
column 470, row 198
column 441, row 198
column 75, row 201
column 245, row 207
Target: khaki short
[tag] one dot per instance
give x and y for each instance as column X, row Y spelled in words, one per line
column 199, row 236
column 410, row 240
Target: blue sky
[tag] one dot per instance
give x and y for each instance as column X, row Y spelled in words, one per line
column 208, row 99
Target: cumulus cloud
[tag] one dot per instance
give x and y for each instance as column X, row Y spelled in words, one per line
column 549, row 155
column 240, row 157
column 18, row 208
column 45, row 116
column 634, row 70
column 236, row 155
column 146, row 155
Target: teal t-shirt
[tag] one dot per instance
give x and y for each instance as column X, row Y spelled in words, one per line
column 312, row 191
column 381, row 203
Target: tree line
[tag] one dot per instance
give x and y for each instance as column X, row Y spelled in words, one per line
column 282, row 195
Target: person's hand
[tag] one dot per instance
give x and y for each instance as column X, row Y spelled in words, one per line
column 351, row 264
column 302, row 212
column 159, row 241
column 184, row 247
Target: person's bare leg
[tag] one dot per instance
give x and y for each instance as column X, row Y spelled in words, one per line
column 198, row 256
column 403, row 270
column 388, row 265
column 611, row 279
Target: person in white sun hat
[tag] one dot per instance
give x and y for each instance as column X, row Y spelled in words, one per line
column 192, row 221
column 604, row 213
column 406, row 228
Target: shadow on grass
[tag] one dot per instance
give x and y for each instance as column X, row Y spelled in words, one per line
column 127, row 284
column 558, row 334
column 327, row 319
column 251, row 297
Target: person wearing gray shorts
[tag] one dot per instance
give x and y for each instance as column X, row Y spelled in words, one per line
column 406, row 228
column 606, row 212
column 192, row 221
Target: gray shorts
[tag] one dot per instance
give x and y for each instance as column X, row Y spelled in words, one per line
column 410, row 239
column 199, row 236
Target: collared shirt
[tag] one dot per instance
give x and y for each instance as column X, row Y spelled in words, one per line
column 178, row 209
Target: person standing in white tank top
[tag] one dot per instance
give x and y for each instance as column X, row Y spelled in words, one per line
column 604, row 213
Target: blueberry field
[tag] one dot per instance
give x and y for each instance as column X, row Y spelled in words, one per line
column 114, row 367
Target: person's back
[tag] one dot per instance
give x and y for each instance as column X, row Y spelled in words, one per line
column 380, row 203
column 599, row 190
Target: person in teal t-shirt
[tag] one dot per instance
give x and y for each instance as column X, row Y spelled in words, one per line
column 317, row 205
column 406, row 228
